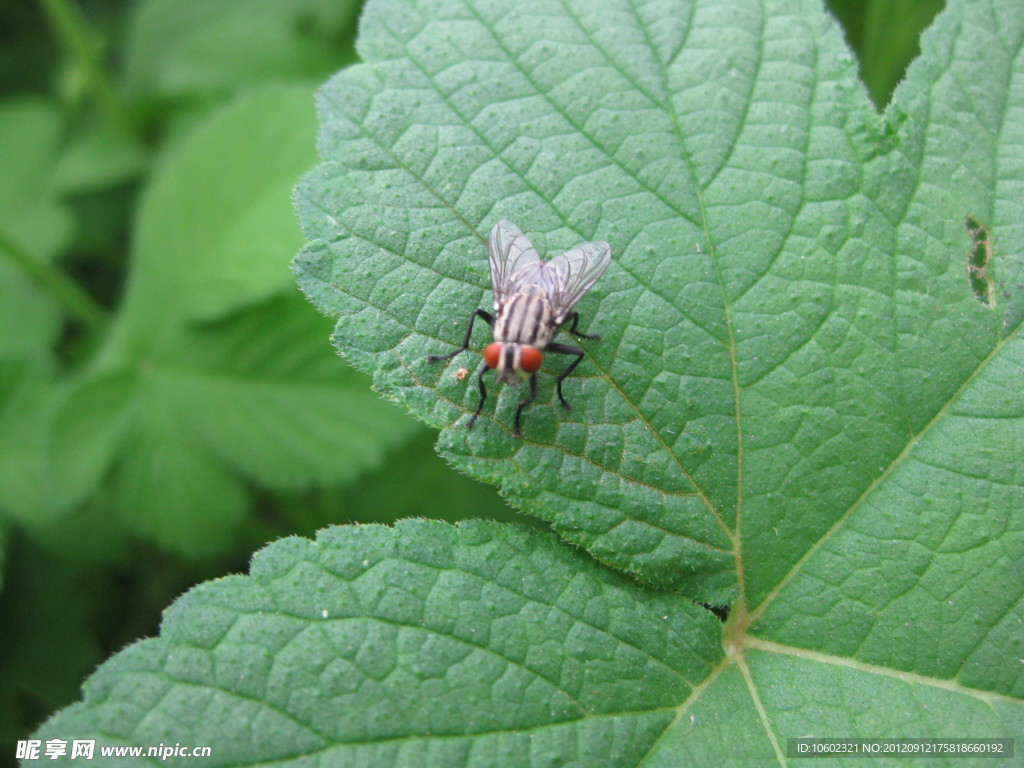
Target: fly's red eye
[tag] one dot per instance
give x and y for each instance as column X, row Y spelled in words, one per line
column 492, row 354
column 530, row 359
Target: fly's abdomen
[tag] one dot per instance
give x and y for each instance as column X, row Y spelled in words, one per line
column 525, row 319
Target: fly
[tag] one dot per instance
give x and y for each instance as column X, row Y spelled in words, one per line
column 533, row 299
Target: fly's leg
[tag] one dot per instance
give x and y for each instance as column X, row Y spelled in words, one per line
column 527, row 400
column 572, row 329
column 483, row 390
column 565, row 349
column 465, row 339
column 489, row 319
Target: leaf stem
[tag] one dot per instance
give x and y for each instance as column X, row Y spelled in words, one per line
column 76, row 301
column 80, row 42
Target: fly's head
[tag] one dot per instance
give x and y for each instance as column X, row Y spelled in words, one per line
column 513, row 362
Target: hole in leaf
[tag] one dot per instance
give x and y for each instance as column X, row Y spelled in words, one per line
column 979, row 263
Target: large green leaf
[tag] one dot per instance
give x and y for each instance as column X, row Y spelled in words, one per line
column 347, row 651
column 479, row 645
column 803, row 401
column 787, row 314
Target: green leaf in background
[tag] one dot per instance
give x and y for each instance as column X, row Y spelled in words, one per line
column 98, row 156
column 35, row 226
column 179, row 48
column 30, row 213
column 211, row 229
column 413, row 482
column 212, row 374
column 886, row 34
column 28, row 395
column 32, row 218
column 282, row 412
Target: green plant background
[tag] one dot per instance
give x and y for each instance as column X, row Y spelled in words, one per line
column 168, row 401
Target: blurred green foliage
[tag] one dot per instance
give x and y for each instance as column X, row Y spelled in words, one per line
column 168, row 401
column 884, row 34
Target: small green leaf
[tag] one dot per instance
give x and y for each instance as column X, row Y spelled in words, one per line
column 35, row 226
column 30, row 319
column 891, row 29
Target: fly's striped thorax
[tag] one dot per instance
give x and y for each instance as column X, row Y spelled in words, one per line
column 526, row 318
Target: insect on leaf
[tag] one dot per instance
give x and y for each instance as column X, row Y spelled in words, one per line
column 798, row 405
column 786, row 262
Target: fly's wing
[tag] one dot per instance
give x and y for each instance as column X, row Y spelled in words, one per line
column 569, row 275
column 509, row 252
